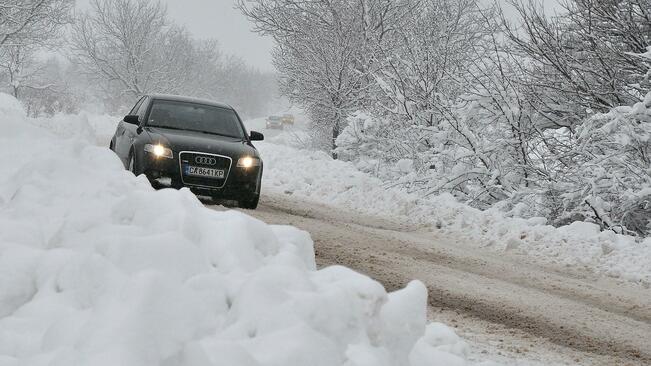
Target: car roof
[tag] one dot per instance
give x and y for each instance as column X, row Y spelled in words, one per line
column 186, row 99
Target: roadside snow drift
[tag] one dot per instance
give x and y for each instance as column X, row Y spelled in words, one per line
column 314, row 175
column 96, row 268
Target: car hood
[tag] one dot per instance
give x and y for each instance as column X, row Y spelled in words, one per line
column 179, row 140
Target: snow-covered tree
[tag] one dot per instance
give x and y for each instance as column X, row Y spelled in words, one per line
column 324, row 52
column 130, row 44
column 26, row 26
column 32, row 22
column 433, row 107
column 610, row 182
column 504, row 116
column 585, row 58
column 20, row 70
column 131, row 47
column 44, row 86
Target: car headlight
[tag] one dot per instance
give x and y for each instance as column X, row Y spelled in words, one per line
column 159, row 151
column 248, row 162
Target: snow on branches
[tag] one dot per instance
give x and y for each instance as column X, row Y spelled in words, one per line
column 615, row 170
column 29, row 22
column 455, row 97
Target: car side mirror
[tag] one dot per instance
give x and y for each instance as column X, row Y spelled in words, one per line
column 256, row 136
column 132, row 119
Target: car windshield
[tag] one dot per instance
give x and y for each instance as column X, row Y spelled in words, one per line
column 195, row 117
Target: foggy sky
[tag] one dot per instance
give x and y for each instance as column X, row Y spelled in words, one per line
column 218, row 19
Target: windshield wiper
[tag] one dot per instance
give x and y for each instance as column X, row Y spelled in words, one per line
column 200, row 131
column 167, row 127
column 216, row 133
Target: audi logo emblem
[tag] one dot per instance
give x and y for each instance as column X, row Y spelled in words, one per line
column 205, row 160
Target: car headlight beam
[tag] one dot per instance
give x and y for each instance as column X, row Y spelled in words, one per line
column 248, row 162
column 159, row 151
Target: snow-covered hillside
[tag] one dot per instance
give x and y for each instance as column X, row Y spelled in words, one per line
column 97, row 268
column 314, row 175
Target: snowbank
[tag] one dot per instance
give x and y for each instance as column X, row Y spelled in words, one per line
column 96, row 268
column 314, row 175
column 93, row 128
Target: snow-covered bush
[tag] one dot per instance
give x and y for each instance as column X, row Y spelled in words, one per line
column 601, row 173
column 613, row 179
column 512, row 122
column 97, row 268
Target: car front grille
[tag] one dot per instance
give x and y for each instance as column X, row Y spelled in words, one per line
column 205, row 160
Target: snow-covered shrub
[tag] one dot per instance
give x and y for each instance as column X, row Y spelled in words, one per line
column 613, row 179
column 501, row 122
column 377, row 147
column 443, row 103
column 601, row 173
column 472, row 151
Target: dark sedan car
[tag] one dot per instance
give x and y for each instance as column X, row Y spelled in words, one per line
column 186, row 142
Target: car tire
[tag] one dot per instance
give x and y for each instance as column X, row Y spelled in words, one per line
column 249, row 204
column 132, row 164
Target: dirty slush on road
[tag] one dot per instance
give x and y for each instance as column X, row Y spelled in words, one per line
column 539, row 314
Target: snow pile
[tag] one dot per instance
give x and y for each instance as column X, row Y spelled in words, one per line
column 96, row 268
column 97, row 129
column 315, row 175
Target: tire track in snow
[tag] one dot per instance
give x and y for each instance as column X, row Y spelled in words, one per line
column 598, row 321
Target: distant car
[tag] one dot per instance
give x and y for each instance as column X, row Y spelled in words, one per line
column 274, row 122
column 288, row 119
column 185, row 142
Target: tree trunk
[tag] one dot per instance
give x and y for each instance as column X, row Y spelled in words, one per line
column 335, row 134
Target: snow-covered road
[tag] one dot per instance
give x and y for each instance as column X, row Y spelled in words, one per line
column 517, row 311
column 93, row 261
column 98, row 268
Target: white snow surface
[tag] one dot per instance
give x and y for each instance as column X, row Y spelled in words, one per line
column 97, row 268
column 314, row 175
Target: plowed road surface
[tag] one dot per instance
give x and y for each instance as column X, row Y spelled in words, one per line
column 507, row 307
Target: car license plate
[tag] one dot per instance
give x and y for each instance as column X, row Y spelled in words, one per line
column 198, row 171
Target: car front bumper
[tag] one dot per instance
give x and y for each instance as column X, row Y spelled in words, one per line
column 240, row 183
